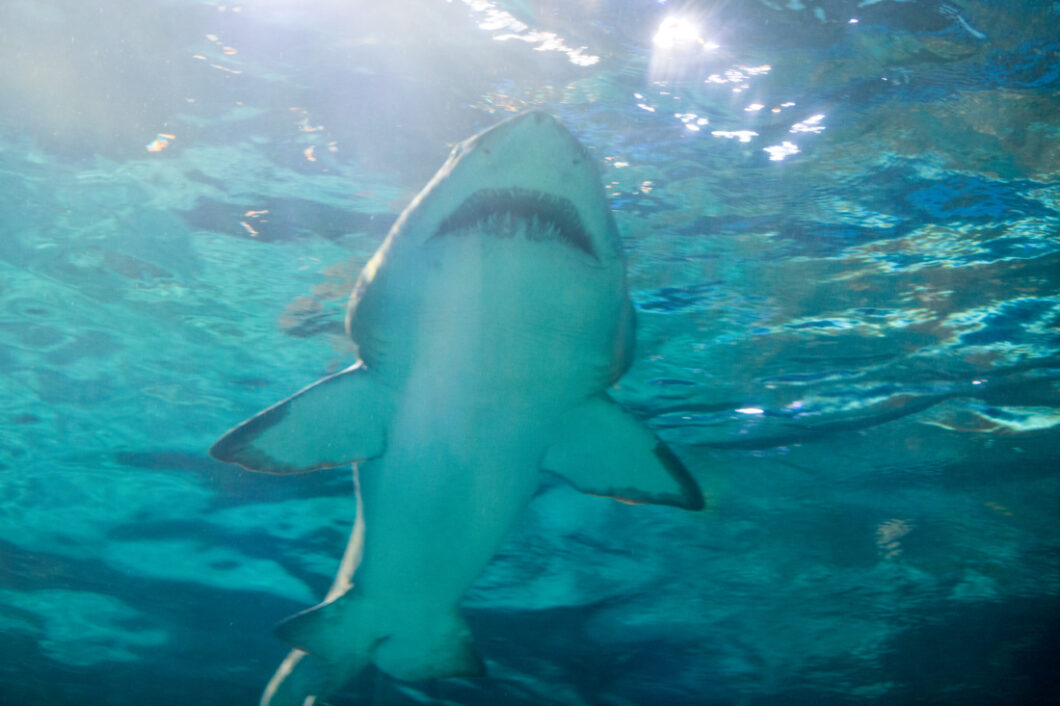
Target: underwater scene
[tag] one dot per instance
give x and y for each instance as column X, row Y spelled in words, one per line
column 782, row 277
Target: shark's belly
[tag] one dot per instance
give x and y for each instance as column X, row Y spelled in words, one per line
column 484, row 359
column 439, row 503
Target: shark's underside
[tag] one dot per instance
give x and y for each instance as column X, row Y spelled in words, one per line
column 489, row 325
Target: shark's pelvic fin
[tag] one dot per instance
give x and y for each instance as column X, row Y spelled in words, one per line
column 432, row 649
column 299, row 680
column 432, row 646
column 334, row 421
column 602, row 450
column 315, row 629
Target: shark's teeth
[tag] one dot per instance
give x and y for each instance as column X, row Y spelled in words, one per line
column 516, row 211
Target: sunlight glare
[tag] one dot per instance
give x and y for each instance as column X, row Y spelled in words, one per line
column 676, row 32
column 779, row 152
column 741, row 135
column 811, row 125
column 506, row 27
column 677, row 47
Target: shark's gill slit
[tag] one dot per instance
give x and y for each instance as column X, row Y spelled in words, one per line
column 543, row 216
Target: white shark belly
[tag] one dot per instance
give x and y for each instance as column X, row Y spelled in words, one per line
column 438, row 505
column 457, row 473
column 470, row 424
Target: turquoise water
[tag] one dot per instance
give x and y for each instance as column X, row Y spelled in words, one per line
column 843, row 250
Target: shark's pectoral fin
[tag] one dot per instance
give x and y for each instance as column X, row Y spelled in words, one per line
column 601, row 450
column 334, row 421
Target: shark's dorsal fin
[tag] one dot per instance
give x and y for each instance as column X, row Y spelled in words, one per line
column 602, row 450
column 337, row 420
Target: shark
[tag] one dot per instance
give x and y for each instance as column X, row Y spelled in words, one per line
column 489, row 326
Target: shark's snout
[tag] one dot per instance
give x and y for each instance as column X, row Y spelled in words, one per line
column 549, row 137
column 527, row 177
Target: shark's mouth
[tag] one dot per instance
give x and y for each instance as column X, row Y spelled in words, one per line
column 506, row 213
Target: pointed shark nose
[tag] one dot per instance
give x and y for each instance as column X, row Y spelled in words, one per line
column 528, row 169
column 540, row 117
column 551, row 143
column 535, row 120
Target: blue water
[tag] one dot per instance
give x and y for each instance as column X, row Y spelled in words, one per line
column 844, row 250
